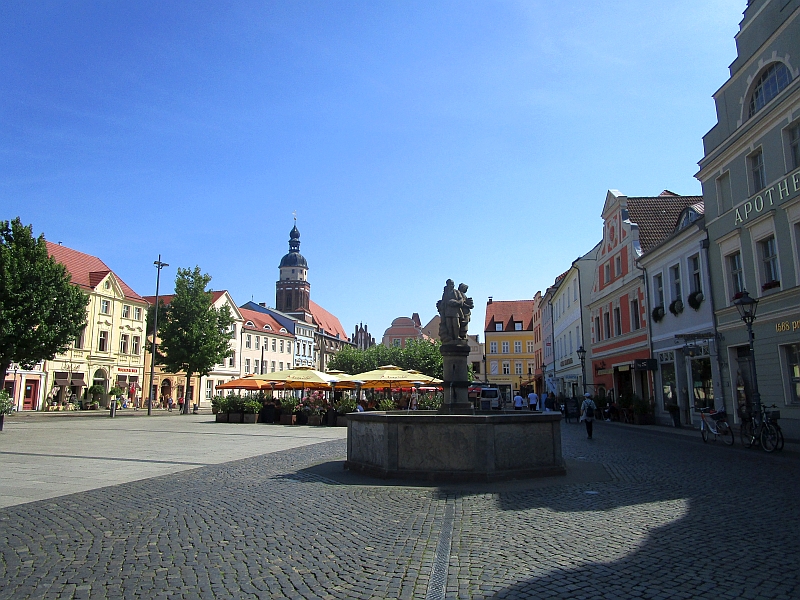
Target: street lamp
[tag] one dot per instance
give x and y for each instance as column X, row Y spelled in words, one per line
column 747, row 311
column 582, row 355
column 159, row 265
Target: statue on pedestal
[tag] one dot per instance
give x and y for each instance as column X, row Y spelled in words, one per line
column 455, row 309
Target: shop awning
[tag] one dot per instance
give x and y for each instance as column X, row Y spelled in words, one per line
column 61, row 378
column 133, row 378
column 122, row 378
column 77, row 380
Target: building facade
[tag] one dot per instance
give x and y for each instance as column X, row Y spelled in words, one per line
column 750, row 175
column 620, row 346
column 402, row 330
column 110, row 351
column 508, row 335
column 683, row 338
column 266, row 345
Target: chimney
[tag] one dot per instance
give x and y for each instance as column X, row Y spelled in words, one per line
column 490, row 300
column 262, row 304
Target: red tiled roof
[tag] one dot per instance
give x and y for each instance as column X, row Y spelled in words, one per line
column 508, row 311
column 87, row 271
column 327, row 321
column 656, row 215
column 167, row 298
column 259, row 320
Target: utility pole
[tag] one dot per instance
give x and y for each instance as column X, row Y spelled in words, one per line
column 159, row 265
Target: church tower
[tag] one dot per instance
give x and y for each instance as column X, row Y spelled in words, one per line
column 292, row 290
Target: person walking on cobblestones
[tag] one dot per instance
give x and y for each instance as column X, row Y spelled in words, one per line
column 588, row 407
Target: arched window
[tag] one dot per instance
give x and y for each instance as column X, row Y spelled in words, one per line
column 770, row 84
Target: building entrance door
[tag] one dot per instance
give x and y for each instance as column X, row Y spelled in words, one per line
column 31, row 394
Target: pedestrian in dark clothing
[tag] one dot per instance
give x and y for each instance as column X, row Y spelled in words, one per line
column 588, row 408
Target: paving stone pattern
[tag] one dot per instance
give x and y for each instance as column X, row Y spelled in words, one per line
column 666, row 517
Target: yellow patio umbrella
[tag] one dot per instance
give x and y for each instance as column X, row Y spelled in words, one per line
column 304, row 378
column 391, row 376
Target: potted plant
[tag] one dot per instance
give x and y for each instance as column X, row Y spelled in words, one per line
column 250, row 410
column 676, row 307
column 769, row 285
column 96, row 392
column 695, row 299
column 235, row 408
column 289, row 406
column 219, row 405
column 114, row 393
column 6, row 406
column 658, row 313
column 674, row 412
column 345, row 405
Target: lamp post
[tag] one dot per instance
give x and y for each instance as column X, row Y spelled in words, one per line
column 582, row 355
column 159, row 265
column 747, row 311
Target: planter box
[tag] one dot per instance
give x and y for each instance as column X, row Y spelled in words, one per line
column 314, row 420
column 234, row 417
column 644, row 420
column 250, row 418
column 287, row 419
column 341, row 420
column 222, row 417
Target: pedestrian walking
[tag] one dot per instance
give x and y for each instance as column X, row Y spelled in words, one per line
column 533, row 400
column 180, row 404
column 518, row 402
column 169, row 404
column 588, row 407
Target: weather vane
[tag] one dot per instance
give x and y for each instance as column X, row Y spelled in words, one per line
column 294, row 213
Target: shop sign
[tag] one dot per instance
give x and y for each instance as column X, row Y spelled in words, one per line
column 784, row 189
column 787, row 326
column 126, row 370
column 645, row 364
column 566, row 361
column 605, row 371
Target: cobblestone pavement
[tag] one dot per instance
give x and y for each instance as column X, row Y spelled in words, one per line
column 640, row 516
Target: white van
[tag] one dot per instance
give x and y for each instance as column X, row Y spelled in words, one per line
column 489, row 398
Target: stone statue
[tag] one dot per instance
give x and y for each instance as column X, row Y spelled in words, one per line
column 454, row 309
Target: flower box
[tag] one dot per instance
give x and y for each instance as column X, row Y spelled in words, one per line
column 770, row 285
column 676, row 307
column 314, row 420
column 222, row 417
column 658, row 313
column 235, row 417
column 341, row 420
column 250, row 418
column 288, row 419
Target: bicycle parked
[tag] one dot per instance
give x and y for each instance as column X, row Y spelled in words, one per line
column 715, row 422
column 764, row 432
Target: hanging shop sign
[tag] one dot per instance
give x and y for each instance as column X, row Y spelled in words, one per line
column 645, row 364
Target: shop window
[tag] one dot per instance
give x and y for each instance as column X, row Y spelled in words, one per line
column 771, row 83
column 669, row 385
column 702, row 387
column 792, row 353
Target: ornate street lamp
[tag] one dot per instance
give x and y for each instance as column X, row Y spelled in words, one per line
column 582, row 355
column 747, row 311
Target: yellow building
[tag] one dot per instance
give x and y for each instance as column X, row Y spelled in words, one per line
column 110, row 351
column 510, row 345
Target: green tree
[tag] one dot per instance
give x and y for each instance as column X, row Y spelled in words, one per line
column 194, row 336
column 421, row 355
column 41, row 311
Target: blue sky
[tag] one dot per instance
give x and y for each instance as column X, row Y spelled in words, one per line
column 416, row 140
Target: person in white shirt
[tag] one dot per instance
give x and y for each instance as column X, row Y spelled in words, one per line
column 518, row 402
column 533, row 400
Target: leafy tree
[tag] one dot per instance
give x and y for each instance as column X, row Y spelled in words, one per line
column 194, row 336
column 421, row 355
column 41, row 311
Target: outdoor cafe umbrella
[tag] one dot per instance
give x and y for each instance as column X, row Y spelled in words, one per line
column 304, row 378
column 245, row 383
column 390, row 376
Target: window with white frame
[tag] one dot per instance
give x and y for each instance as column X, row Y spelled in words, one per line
column 792, row 358
column 769, row 262
column 506, row 367
column 102, row 341
column 694, row 273
column 232, row 359
column 793, row 146
column 607, row 273
column 282, row 345
column 209, row 389
column 257, row 342
column 758, row 177
column 518, row 368
column 658, row 289
column 248, row 341
column 289, row 346
column 598, row 335
column 607, row 324
column 570, row 342
column 517, row 326
column 272, row 367
column 505, row 347
column 529, row 346
column 247, row 366
column 498, row 327
column 517, row 347
column 675, row 281
column 735, row 273
column 617, row 266
column 492, row 347
column 105, row 307
column 123, row 343
column 274, row 342
column 575, row 290
column 137, row 313
column 617, row 321
column 771, row 82
column 136, row 345
column 126, row 311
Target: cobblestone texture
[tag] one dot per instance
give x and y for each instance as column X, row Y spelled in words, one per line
column 666, row 518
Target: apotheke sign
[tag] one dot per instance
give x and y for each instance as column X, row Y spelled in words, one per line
column 785, row 188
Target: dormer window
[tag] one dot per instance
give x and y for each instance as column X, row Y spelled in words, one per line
column 249, row 324
column 267, row 327
column 517, row 326
column 498, row 327
column 771, row 83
